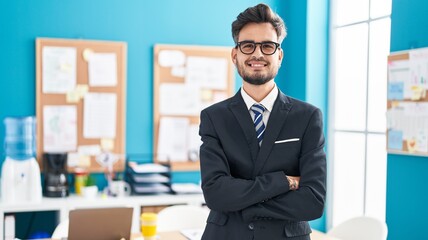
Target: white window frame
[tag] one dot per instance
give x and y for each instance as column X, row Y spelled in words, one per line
column 332, row 110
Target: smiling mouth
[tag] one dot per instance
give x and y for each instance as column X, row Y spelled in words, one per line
column 257, row 65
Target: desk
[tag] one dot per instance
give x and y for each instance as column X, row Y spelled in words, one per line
column 64, row 205
column 315, row 235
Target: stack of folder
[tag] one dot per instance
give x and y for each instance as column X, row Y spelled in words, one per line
column 149, row 178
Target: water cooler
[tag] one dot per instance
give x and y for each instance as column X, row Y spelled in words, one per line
column 20, row 180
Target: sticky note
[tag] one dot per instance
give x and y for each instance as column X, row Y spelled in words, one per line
column 395, row 140
column 72, row 96
column 206, row 95
column 73, row 159
column 87, row 53
column 395, row 91
column 411, row 145
column 107, row 144
column 82, row 89
column 84, row 161
column 417, row 93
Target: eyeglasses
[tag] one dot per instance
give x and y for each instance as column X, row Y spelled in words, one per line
column 267, row 47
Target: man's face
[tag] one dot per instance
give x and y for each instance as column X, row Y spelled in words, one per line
column 257, row 68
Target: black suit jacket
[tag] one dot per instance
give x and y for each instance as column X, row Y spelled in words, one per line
column 245, row 185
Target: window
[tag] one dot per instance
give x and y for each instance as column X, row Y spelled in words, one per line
column 360, row 36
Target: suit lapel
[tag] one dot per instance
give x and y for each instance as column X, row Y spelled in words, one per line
column 242, row 115
column 275, row 123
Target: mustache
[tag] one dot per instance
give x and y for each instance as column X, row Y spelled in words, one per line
column 260, row 59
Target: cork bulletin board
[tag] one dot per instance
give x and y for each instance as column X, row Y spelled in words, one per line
column 407, row 104
column 81, row 92
column 186, row 80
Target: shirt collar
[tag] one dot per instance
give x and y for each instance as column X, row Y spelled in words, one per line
column 267, row 102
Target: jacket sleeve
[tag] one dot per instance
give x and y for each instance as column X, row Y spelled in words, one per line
column 306, row 203
column 222, row 191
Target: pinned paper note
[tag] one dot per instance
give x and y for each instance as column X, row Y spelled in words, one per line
column 178, row 71
column 59, row 128
column 171, row 58
column 102, row 69
column 207, row 72
column 72, row 97
column 395, row 103
column 411, row 145
column 82, row 89
column 99, row 115
column 58, row 69
column 90, row 150
column 172, row 142
column 206, row 95
column 422, row 141
column 87, row 53
column 395, row 140
column 396, row 90
column 107, row 144
column 73, row 159
column 84, row 161
column 418, row 93
column 179, row 99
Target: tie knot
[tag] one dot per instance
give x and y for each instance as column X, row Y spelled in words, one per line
column 258, row 108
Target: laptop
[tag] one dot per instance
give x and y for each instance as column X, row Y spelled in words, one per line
column 100, row 224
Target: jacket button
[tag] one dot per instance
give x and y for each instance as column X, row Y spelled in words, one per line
column 251, row 226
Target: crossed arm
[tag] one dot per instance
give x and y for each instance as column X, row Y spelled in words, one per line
column 268, row 195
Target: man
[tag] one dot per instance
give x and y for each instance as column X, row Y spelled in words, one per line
column 263, row 165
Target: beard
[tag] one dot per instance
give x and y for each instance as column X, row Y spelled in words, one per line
column 257, row 78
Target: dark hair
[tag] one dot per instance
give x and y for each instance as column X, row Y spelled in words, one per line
column 261, row 13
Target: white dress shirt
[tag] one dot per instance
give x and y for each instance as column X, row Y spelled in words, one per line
column 267, row 102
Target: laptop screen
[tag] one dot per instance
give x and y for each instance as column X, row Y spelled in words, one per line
column 100, row 224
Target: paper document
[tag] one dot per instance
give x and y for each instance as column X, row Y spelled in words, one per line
column 59, row 128
column 179, row 99
column 207, row 72
column 408, row 121
column 102, row 68
column 151, row 188
column 150, row 178
column 172, row 141
column 99, row 115
column 399, row 85
column 58, row 69
column 193, row 141
column 148, row 168
column 171, row 58
column 419, row 67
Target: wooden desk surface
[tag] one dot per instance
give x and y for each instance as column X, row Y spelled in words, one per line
column 315, row 235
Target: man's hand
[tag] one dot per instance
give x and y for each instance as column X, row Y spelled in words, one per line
column 293, row 182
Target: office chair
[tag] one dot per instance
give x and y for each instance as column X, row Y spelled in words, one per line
column 182, row 217
column 359, row 228
column 61, row 231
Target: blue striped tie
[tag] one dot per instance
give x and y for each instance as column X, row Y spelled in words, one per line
column 258, row 110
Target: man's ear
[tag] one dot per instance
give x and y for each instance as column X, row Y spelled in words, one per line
column 233, row 55
column 281, row 56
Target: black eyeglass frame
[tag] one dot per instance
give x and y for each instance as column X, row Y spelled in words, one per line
column 277, row 45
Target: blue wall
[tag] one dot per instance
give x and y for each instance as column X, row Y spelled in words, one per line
column 303, row 74
column 407, row 195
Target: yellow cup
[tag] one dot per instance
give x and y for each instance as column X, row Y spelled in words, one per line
column 148, row 225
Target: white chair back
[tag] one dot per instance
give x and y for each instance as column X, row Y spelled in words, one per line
column 359, row 228
column 182, row 217
column 61, row 231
